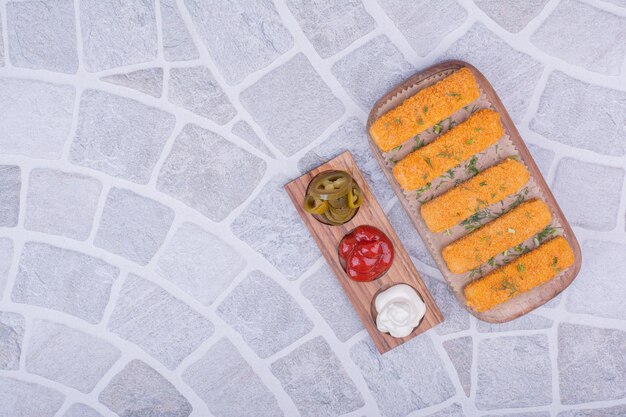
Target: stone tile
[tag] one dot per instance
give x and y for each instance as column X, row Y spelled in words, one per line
column 424, row 24
column 201, row 165
column 543, row 158
column 583, row 35
column 331, row 27
column 456, row 317
column 245, row 131
column 148, row 81
column 371, row 70
column 1, row 45
column 251, row 34
column 510, row 14
column 524, row 414
column 197, row 90
column 265, row 315
column 26, row 399
column 138, row 390
column 42, row 35
column 119, row 136
column 295, row 94
column 599, row 184
column 571, row 111
column 228, row 384
column 621, row 3
column 396, row 379
column 513, row 372
column 64, row 280
column 53, row 194
column 325, row 293
column 460, row 353
column 11, row 338
column 133, row 226
column 272, row 227
column 68, row 356
column 315, row 380
column 455, row 410
column 6, row 259
column 81, row 410
column 599, row 288
column 200, row 263
column 160, row 324
column 526, row 322
column 117, row 34
column 513, row 74
column 616, row 411
column 592, row 365
column 412, row 242
column 177, row 42
column 37, row 117
column 10, row 186
column 351, row 135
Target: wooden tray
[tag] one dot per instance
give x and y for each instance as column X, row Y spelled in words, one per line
column 361, row 294
column 525, row 302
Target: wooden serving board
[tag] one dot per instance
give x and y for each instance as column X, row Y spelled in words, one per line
column 524, row 302
column 362, row 294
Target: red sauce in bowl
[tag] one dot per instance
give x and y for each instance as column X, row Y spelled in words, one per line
column 366, row 253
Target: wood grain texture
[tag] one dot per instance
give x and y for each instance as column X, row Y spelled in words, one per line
column 362, row 294
column 534, row 298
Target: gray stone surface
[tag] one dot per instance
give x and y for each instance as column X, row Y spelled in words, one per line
column 371, row 70
column 119, row 136
column 271, row 320
column 148, row 81
column 571, row 111
column 396, row 380
column 140, row 391
column 42, row 35
column 424, row 23
column 10, row 186
column 412, row 242
column 315, row 380
column 584, row 35
column 245, row 131
column 81, row 410
column 527, row 322
column 53, row 194
column 37, row 117
column 197, row 90
column 325, row 292
column 12, row 327
column 350, row 136
column 601, row 278
column 228, row 384
column 177, row 43
column 6, row 258
column 455, row 410
column 200, row 263
column 201, row 165
column 331, row 26
column 460, row 353
column 510, row 14
column 513, row 74
column 592, row 364
column 543, row 158
column 616, row 411
column 272, row 227
column 456, row 317
column 251, row 34
column 117, row 34
column 599, row 184
column 132, row 225
column 63, row 280
column 513, row 372
column 292, row 105
column 26, row 399
column 524, row 414
column 1, row 44
column 68, row 356
column 160, row 324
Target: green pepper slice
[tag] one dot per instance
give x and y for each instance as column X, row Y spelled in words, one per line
column 339, row 215
column 355, row 197
column 314, row 205
column 331, row 185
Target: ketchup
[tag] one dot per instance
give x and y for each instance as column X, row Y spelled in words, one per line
column 366, row 253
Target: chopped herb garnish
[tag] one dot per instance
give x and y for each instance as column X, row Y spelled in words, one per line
column 397, row 121
column 425, row 109
column 397, row 148
column 478, row 129
column 469, row 141
column 508, row 285
column 482, row 183
column 454, row 94
column 428, row 161
column 521, row 268
column 449, row 174
column 420, row 121
column 471, row 167
column 437, row 128
column 447, row 232
column 387, row 124
column 511, row 230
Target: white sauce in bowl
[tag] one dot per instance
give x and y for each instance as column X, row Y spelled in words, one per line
column 400, row 309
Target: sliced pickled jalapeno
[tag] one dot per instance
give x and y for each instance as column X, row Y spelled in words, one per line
column 355, row 198
column 333, row 197
column 331, row 185
column 314, row 205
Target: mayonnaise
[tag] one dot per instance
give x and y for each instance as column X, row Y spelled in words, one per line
column 400, row 309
